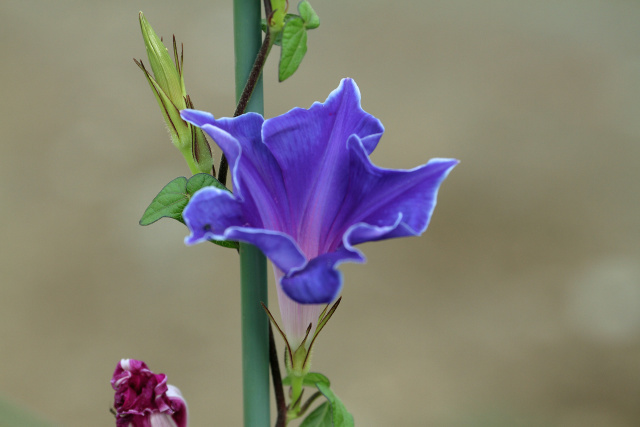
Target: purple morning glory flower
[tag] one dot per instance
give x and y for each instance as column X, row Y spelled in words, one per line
column 144, row 399
column 306, row 192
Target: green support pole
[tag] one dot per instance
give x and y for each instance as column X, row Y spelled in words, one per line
column 255, row 337
column 253, row 264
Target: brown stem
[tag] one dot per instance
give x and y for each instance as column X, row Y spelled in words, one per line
column 281, row 421
column 267, row 9
column 254, row 75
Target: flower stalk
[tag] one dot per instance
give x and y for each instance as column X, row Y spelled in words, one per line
column 245, row 96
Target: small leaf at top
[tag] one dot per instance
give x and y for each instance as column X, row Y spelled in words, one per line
column 320, row 417
column 310, row 17
column 341, row 417
column 294, row 47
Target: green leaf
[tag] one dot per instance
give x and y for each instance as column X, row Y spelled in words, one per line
column 310, row 380
column 310, row 17
column 174, row 197
column 201, row 180
column 170, row 202
column 313, row 378
column 294, row 47
column 320, row 417
column 341, row 417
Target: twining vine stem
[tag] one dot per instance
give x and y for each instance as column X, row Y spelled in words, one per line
column 278, row 389
column 254, row 75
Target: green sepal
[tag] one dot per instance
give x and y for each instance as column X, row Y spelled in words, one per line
column 174, row 197
column 167, row 84
column 168, row 75
column 177, row 127
column 339, row 415
column 200, row 150
column 294, row 47
column 320, row 417
column 310, row 17
column 189, row 139
column 310, row 380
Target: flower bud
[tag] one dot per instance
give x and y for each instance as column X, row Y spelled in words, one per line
column 144, row 399
column 167, row 84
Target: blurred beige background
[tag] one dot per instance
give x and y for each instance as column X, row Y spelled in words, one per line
column 519, row 307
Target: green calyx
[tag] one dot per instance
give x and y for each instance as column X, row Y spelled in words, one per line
column 167, row 84
column 276, row 20
column 298, row 362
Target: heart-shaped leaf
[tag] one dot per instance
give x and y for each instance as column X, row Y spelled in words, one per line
column 170, row 202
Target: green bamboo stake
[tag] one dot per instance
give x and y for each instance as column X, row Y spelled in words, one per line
column 255, row 337
column 253, row 264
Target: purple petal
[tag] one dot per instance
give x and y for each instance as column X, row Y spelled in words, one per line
column 386, row 203
column 279, row 247
column 310, row 148
column 256, row 175
column 215, row 214
column 378, row 204
column 209, row 213
column 319, row 282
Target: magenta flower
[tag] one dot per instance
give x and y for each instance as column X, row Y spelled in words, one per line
column 144, row 399
column 306, row 192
